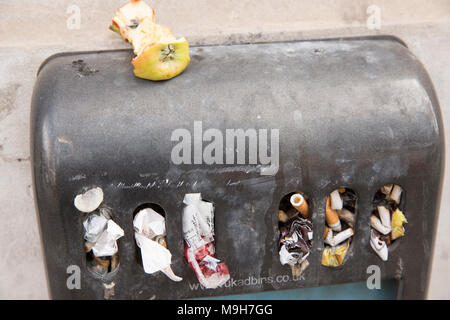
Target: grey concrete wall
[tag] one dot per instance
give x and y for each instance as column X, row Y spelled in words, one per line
column 31, row 30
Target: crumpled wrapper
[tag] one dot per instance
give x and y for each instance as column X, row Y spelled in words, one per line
column 334, row 256
column 148, row 226
column 103, row 233
column 198, row 232
column 397, row 224
column 295, row 240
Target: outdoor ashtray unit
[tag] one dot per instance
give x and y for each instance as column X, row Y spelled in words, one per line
column 333, row 126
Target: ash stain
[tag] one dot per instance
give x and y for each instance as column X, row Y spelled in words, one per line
column 198, row 57
column 318, row 51
column 83, row 70
column 7, row 99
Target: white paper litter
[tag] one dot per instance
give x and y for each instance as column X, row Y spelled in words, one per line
column 286, row 257
column 94, row 226
column 154, row 256
column 106, row 244
column 206, row 210
column 198, row 217
column 148, row 224
column 89, row 201
column 172, row 276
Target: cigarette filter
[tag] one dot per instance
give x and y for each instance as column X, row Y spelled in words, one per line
column 386, row 189
column 325, row 233
column 295, row 269
column 114, row 262
column 341, row 236
column 332, row 217
column 282, row 216
column 385, row 216
column 336, row 200
column 377, row 225
column 299, row 203
column 329, row 238
column 88, row 246
column 303, row 266
column 396, row 194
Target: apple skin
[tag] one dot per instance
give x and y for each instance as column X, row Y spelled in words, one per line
column 148, row 65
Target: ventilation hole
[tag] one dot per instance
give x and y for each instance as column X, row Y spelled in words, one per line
column 387, row 219
column 296, row 233
column 102, row 257
column 340, row 216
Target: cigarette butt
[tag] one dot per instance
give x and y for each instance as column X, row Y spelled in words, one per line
column 336, row 200
column 102, row 262
column 387, row 189
column 386, row 238
column 385, row 216
column 303, row 266
column 325, row 233
column 332, row 217
column 329, row 238
column 377, row 225
column 342, row 236
column 299, row 203
column 99, row 266
column 114, row 262
column 292, row 212
column 347, row 216
column 282, row 216
column 396, row 194
column 296, row 270
column 161, row 240
column 88, row 246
